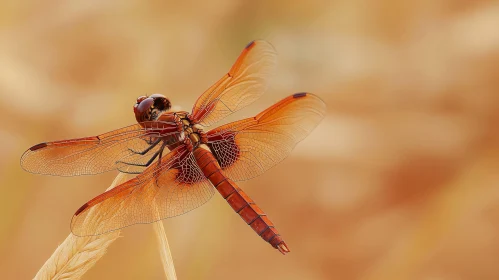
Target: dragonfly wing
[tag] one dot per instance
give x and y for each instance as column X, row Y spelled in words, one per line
column 96, row 154
column 245, row 82
column 171, row 188
column 249, row 147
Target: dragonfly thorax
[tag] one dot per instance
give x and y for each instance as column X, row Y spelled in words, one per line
column 192, row 134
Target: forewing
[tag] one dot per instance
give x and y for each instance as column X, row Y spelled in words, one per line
column 97, row 154
column 164, row 190
column 245, row 82
column 249, row 147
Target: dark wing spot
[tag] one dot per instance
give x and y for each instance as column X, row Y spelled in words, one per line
column 300, row 94
column 249, row 45
column 38, row 146
column 85, row 206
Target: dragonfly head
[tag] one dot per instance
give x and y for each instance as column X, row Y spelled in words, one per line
column 149, row 108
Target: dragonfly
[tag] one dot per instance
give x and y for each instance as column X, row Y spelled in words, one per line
column 178, row 162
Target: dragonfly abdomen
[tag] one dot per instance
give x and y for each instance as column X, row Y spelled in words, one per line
column 239, row 200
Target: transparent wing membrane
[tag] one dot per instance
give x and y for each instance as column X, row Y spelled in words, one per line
column 164, row 190
column 247, row 148
column 97, row 154
column 245, row 82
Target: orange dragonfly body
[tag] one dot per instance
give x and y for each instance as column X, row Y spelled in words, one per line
column 179, row 165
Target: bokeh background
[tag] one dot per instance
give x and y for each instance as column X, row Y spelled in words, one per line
column 400, row 180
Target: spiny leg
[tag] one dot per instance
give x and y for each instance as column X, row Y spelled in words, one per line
column 149, row 141
column 139, row 164
column 152, row 145
column 154, row 156
column 142, row 164
column 129, row 172
column 161, row 152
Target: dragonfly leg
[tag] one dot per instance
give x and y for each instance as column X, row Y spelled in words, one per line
column 142, row 164
column 139, row 164
column 161, row 152
column 152, row 145
column 156, row 154
column 128, row 172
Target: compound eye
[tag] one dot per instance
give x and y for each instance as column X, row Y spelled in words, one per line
column 157, row 95
column 142, row 110
column 141, row 98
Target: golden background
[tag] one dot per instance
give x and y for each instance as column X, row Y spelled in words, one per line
column 400, row 180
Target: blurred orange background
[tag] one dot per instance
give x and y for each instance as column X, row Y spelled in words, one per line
column 400, row 180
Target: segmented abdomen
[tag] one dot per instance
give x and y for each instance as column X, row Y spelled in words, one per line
column 239, row 200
